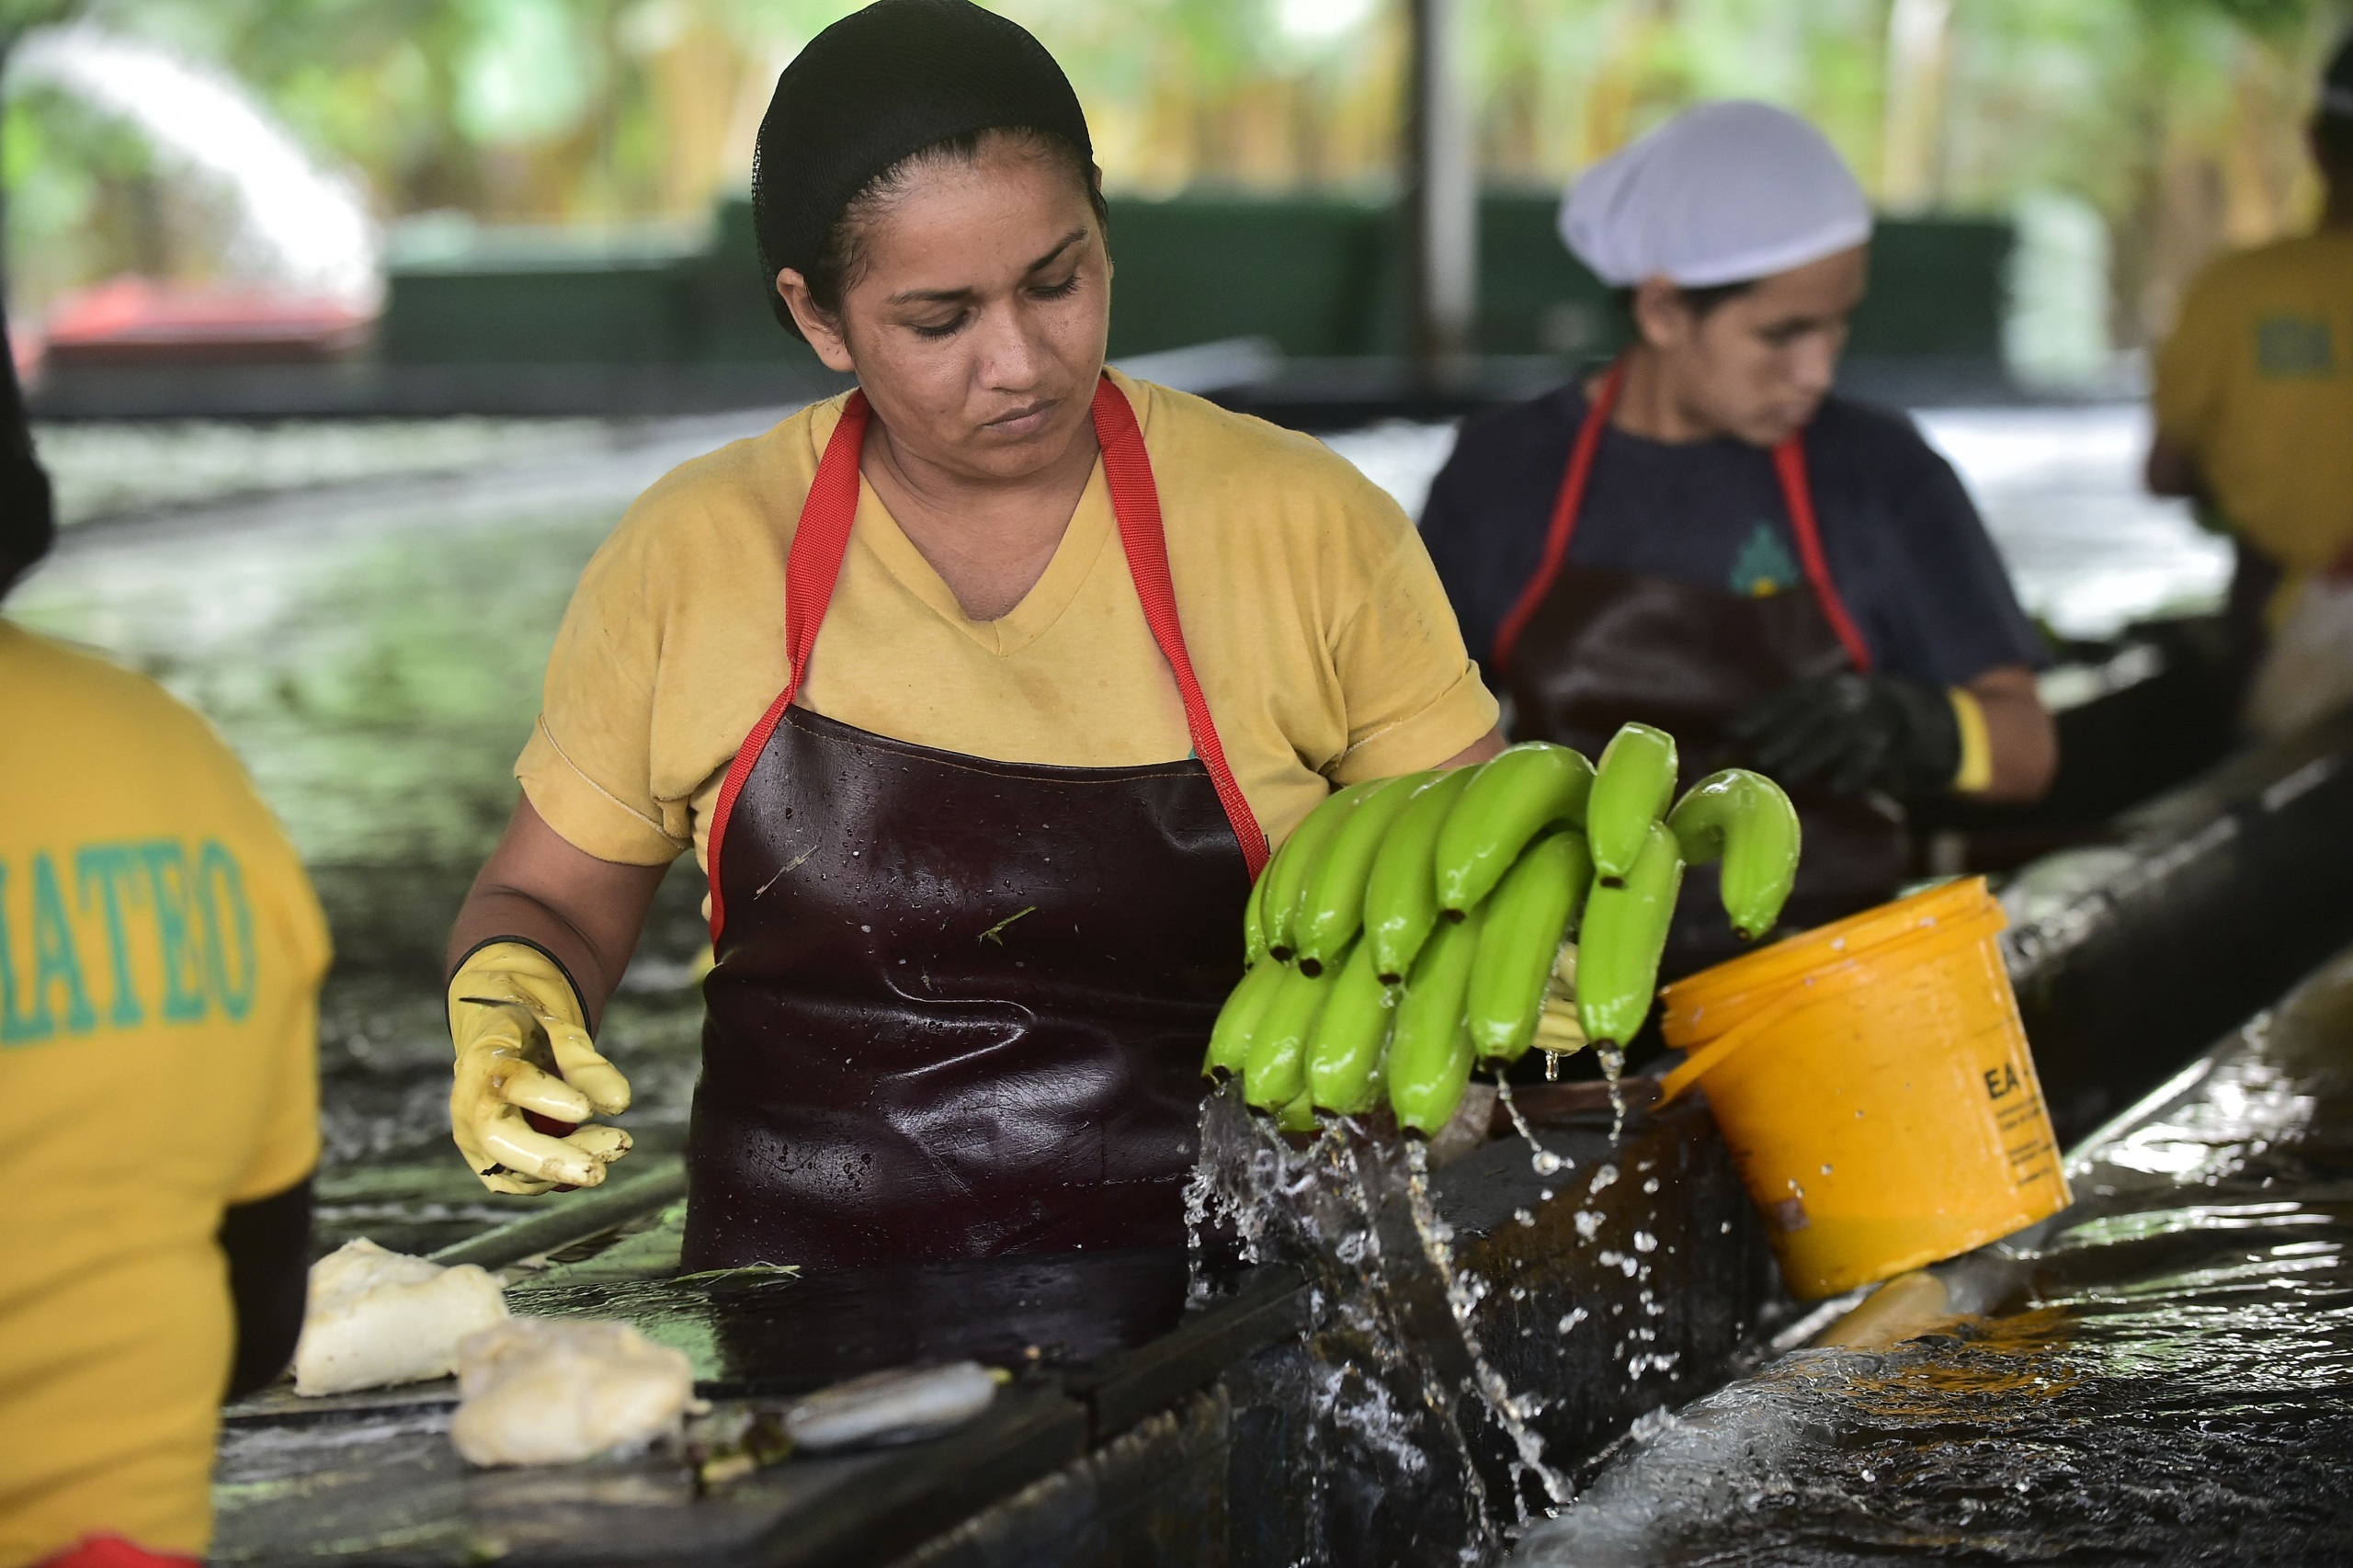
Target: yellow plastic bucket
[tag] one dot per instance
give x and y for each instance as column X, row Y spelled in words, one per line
column 1874, row 1085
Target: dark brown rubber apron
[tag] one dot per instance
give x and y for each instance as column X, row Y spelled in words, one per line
column 1585, row 651
column 960, row 1004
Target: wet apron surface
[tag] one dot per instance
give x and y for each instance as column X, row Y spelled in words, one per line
column 960, row 1004
column 1586, row 649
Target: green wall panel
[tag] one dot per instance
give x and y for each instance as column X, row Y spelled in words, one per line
column 1319, row 276
column 1297, row 270
column 594, row 310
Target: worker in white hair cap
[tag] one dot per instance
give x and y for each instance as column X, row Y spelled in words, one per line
column 1706, row 539
column 1726, row 193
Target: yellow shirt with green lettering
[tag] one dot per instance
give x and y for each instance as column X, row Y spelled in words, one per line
column 1323, row 639
column 160, row 959
column 2255, row 385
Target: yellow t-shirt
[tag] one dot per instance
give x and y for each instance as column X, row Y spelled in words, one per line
column 1326, row 646
column 160, row 959
column 2257, row 385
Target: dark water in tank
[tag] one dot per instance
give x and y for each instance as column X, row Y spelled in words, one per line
column 2174, row 1384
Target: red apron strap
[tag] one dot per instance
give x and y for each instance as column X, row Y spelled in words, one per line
column 819, row 542
column 814, row 564
column 1566, row 504
column 1788, row 465
column 1135, row 501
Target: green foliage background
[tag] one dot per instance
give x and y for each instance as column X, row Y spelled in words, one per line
column 2176, row 120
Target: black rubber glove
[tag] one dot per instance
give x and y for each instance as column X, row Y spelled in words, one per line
column 1855, row 733
column 267, row 1242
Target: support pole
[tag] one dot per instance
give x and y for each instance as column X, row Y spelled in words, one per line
column 1442, row 196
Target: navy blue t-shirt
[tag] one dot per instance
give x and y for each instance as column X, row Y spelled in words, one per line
column 1904, row 546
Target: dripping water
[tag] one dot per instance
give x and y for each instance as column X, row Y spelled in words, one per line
column 1613, row 1073
column 1542, row 1160
column 1400, row 1386
column 1463, row 1292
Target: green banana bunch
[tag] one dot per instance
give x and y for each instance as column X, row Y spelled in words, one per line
column 1525, row 790
column 1526, row 920
column 1331, row 906
column 1237, row 1021
column 1401, row 896
column 1254, row 922
column 1351, row 1036
column 1631, row 791
column 1275, row 1072
column 1429, row 1050
column 1623, row 935
column 1412, row 925
column 1286, row 876
column 1745, row 819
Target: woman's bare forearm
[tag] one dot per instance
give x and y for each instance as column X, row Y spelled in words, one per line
column 2020, row 733
column 587, row 912
column 1486, row 747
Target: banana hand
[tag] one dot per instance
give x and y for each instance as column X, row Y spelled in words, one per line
column 1622, row 937
column 1524, row 923
column 1286, row 875
column 1632, row 787
column 1514, row 795
column 1331, row 906
column 1237, row 1021
column 1401, row 894
column 1351, row 1035
column 512, row 1015
column 1429, row 1050
column 1746, row 821
column 1275, row 1072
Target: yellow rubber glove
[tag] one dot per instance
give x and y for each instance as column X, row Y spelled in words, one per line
column 513, row 1016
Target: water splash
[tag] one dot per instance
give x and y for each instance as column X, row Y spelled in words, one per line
column 1464, row 1291
column 1401, row 1387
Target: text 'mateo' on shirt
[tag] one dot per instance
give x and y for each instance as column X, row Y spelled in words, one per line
column 160, row 960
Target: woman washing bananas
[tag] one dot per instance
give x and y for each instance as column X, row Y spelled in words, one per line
column 1705, row 539
column 979, row 693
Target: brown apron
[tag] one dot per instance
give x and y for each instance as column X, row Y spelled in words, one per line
column 960, row 1004
column 1585, row 651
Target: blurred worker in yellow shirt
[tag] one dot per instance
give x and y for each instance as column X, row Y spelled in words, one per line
column 160, row 960
column 2255, row 419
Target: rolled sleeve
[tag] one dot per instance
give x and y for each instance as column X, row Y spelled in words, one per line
column 589, row 768
column 1457, row 720
column 585, row 814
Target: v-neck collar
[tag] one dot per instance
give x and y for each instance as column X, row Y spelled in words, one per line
column 1091, row 527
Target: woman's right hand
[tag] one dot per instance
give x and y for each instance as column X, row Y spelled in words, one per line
column 514, row 1012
